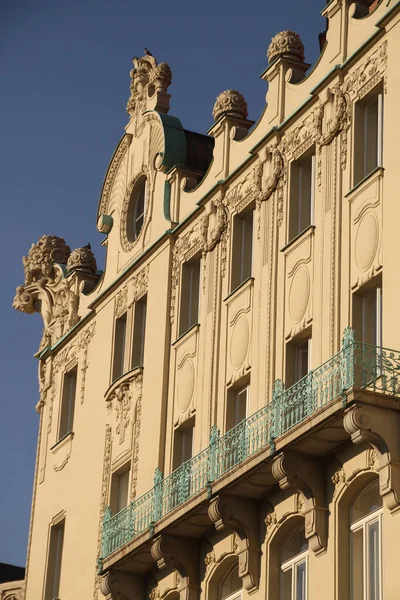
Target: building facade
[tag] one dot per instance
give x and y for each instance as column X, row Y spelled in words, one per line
column 219, row 410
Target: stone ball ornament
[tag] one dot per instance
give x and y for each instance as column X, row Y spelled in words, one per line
column 230, row 102
column 286, row 43
column 82, row 259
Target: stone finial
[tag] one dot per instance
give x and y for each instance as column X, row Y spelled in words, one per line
column 82, row 259
column 48, row 250
column 149, row 84
column 230, row 102
column 286, row 43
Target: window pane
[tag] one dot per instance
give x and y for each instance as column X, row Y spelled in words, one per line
column 357, row 571
column 68, row 404
column 302, row 360
column 242, row 249
column 366, row 502
column 371, row 135
column 123, row 488
column 119, row 347
column 183, row 445
column 295, row 544
column 231, row 584
column 373, row 560
column 301, row 581
column 54, row 561
column 286, row 591
column 189, row 309
column 139, row 330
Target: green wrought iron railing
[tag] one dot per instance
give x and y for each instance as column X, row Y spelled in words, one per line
column 357, row 364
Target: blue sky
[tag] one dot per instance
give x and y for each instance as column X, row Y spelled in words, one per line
column 64, row 81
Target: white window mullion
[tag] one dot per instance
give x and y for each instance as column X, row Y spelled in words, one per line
column 312, row 200
column 378, row 316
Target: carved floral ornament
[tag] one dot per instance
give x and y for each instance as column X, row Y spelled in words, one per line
column 148, row 80
column 230, row 102
column 286, row 43
column 120, row 398
column 203, row 236
column 48, row 289
column 131, row 291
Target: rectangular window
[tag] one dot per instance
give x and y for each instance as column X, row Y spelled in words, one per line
column 242, row 249
column 54, row 561
column 367, row 316
column 120, row 489
column 237, row 406
column 139, row 330
column 68, row 403
column 183, row 444
column 190, row 291
column 119, row 347
column 368, row 134
column 302, row 191
column 298, row 361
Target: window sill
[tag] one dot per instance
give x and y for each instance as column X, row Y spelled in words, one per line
column 309, row 230
column 128, row 376
column 63, row 441
column 186, row 333
column 247, row 282
column 376, row 173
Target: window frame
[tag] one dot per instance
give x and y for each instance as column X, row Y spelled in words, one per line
column 139, row 305
column 238, row 254
column 360, row 164
column 189, row 306
column 233, row 400
column 138, row 196
column 71, row 402
column 362, row 524
column 292, row 563
column 296, row 194
column 115, row 487
column 53, row 578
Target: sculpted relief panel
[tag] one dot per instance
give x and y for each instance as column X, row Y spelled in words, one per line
column 298, row 278
column 366, row 228
column 239, row 307
column 186, row 375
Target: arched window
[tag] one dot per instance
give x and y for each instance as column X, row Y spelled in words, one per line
column 136, row 210
column 366, row 548
column 231, row 585
column 294, row 561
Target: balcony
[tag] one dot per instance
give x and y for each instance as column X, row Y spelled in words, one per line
column 311, row 403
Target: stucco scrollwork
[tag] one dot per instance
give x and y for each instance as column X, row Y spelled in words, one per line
column 103, row 500
column 368, row 74
column 140, row 283
column 50, row 290
column 83, row 342
column 121, row 302
column 120, row 397
column 116, row 162
column 202, row 237
column 149, row 80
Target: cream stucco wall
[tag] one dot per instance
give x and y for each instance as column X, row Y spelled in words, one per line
column 242, row 336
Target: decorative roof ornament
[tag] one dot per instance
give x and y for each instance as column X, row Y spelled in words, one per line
column 286, row 43
column 39, row 263
column 149, row 84
column 82, row 259
column 230, row 102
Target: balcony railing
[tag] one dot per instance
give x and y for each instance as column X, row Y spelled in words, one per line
column 357, row 364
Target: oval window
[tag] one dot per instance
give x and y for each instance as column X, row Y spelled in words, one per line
column 136, row 210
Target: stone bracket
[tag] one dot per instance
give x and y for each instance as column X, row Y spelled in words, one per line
column 379, row 427
column 181, row 554
column 122, row 586
column 241, row 516
column 306, row 475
